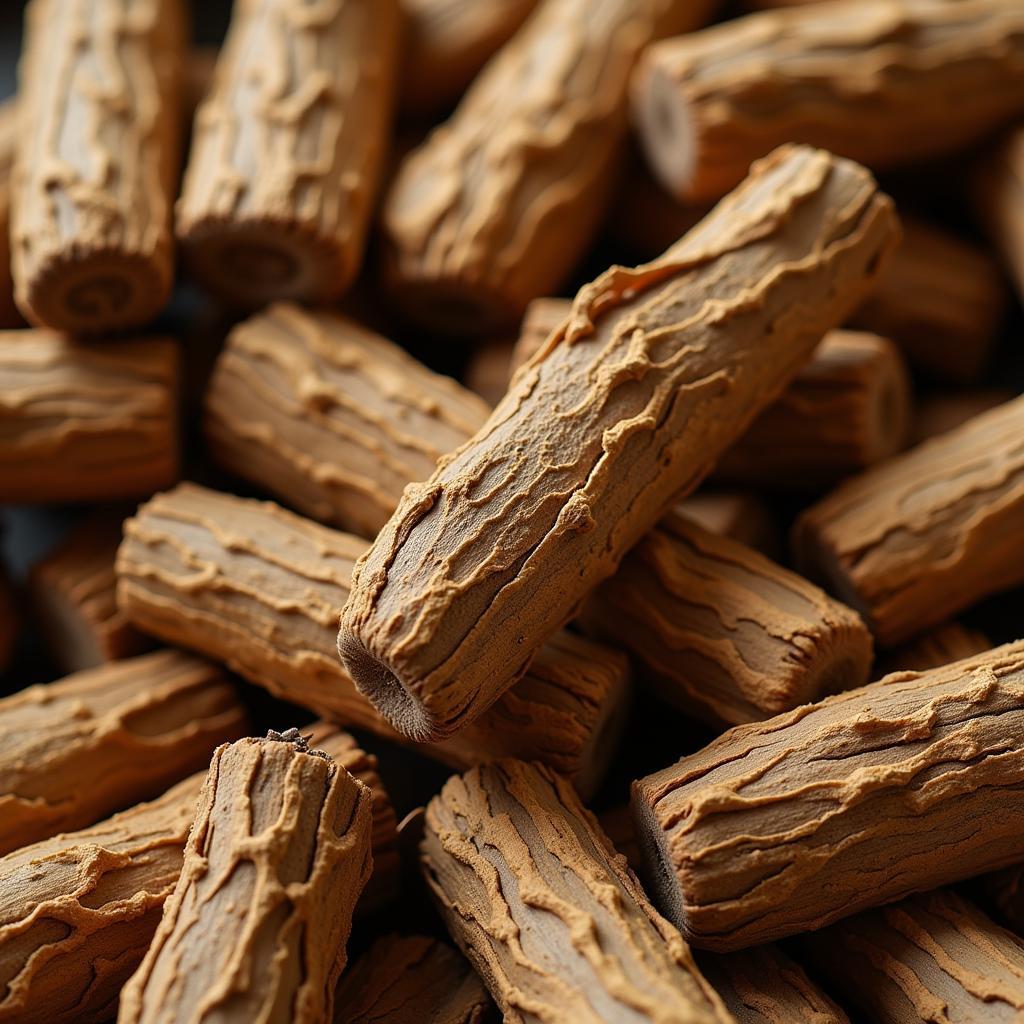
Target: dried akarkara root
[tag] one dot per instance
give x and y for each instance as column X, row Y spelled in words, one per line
column 96, row 162
column 918, row 538
column 259, row 920
column 625, row 409
column 724, row 633
column 259, row 588
column 74, row 751
column 288, row 149
column 773, row 828
column 547, row 912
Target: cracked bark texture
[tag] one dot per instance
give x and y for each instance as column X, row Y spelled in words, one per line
column 999, row 197
column 288, row 149
column 259, row 589
column 943, row 300
column 952, row 641
column 915, row 540
column 73, row 751
column 330, row 417
column 764, row 986
column 78, row 911
column 478, row 221
column 740, row 515
column 723, row 633
column 940, row 413
column 884, row 82
column 86, row 421
column 97, row 161
column 74, row 601
column 787, row 825
column 447, row 43
column 932, row 957
column 547, row 912
column 659, row 369
column 259, row 919
column 9, row 315
column 411, row 979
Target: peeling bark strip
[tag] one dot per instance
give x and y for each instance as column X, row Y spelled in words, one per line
column 628, row 405
column 330, row 417
column 847, row 409
column 257, row 925
column 73, row 751
column 479, row 221
column 764, row 986
column 97, row 161
column 74, row 602
column 9, row 315
column 932, row 957
column 915, row 540
column 288, row 148
column 547, row 912
column 787, row 825
column 86, row 421
column 886, row 82
column 411, row 980
column 259, row 589
column 78, row 911
column 940, row 646
column 724, row 633
column 1000, row 198
column 447, row 42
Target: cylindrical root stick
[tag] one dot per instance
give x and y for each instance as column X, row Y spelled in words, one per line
column 86, row 421
column 724, row 633
column 932, row 957
column 764, row 986
column 943, row 645
column 914, row 540
column 787, row 825
column 847, row 409
column 478, row 220
column 885, row 82
column 556, row 925
column 77, row 911
column 73, row 595
column 411, row 979
column 259, row 588
column 258, row 922
column 73, row 751
column 626, row 408
column 999, row 196
column 330, row 417
column 288, row 148
column 9, row 315
column 97, row 162
column 447, row 42
column 941, row 299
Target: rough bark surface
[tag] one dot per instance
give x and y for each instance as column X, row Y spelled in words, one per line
column 932, row 957
column 943, row 645
column 330, row 417
column 9, row 315
column 480, row 221
column 659, row 370
column 764, row 986
column 1000, row 199
column 940, row 413
column 942, row 300
column 259, row 589
column 740, row 515
column 546, row 911
column 73, row 751
column 78, row 911
column 74, row 599
column 86, row 421
column 448, row 42
column 258, row 922
column 787, row 825
column 914, row 540
column 885, row 82
column 724, row 633
column 288, row 149
column 847, row 409
column 97, row 162
column 411, row 979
